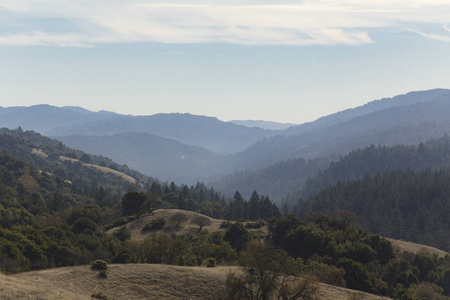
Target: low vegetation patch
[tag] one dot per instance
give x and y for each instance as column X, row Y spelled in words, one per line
column 99, row 295
column 155, row 224
column 99, row 265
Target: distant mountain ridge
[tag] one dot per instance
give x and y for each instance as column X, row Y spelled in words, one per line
column 368, row 108
column 150, row 154
column 42, row 118
column 409, row 124
column 263, row 124
column 405, row 119
column 206, row 132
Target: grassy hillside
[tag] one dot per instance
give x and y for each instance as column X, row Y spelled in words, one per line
column 136, row 281
column 186, row 227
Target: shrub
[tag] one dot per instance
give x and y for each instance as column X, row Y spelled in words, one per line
column 155, row 224
column 99, row 265
column 99, row 295
column 123, row 233
column 225, row 224
column 122, row 221
column 102, row 274
column 253, row 225
column 210, row 262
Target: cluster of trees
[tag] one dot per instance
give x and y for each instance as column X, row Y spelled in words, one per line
column 330, row 248
column 277, row 180
column 200, row 199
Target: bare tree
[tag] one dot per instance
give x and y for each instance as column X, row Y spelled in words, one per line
column 179, row 218
column 201, row 221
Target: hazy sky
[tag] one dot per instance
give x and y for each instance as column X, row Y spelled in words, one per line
column 287, row 61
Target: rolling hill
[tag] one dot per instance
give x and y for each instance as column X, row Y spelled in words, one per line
column 136, row 281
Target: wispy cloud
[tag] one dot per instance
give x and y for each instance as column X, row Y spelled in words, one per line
column 313, row 22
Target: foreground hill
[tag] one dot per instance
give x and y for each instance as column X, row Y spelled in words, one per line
column 136, row 281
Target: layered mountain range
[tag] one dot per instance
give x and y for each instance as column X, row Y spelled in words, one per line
column 188, row 148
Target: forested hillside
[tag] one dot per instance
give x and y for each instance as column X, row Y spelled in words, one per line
column 88, row 172
column 410, row 205
column 432, row 154
column 287, row 181
column 279, row 180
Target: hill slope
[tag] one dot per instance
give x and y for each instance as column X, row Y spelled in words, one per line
column 398, row 204
column 136, row 281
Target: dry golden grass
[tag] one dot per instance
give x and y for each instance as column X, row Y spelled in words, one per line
column 186, row 227
column 100, row 168
column 416, row 248
column 39, row 152
column 136, row 281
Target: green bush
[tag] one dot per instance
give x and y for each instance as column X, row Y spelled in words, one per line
column 102, row 274
column 155, row 224
column 123, row 233
column 122, row 221
column 99, row 265
column 225, row 224
column 253, row 225
column 211, row 262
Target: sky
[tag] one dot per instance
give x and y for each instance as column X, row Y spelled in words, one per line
column 284, row 61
